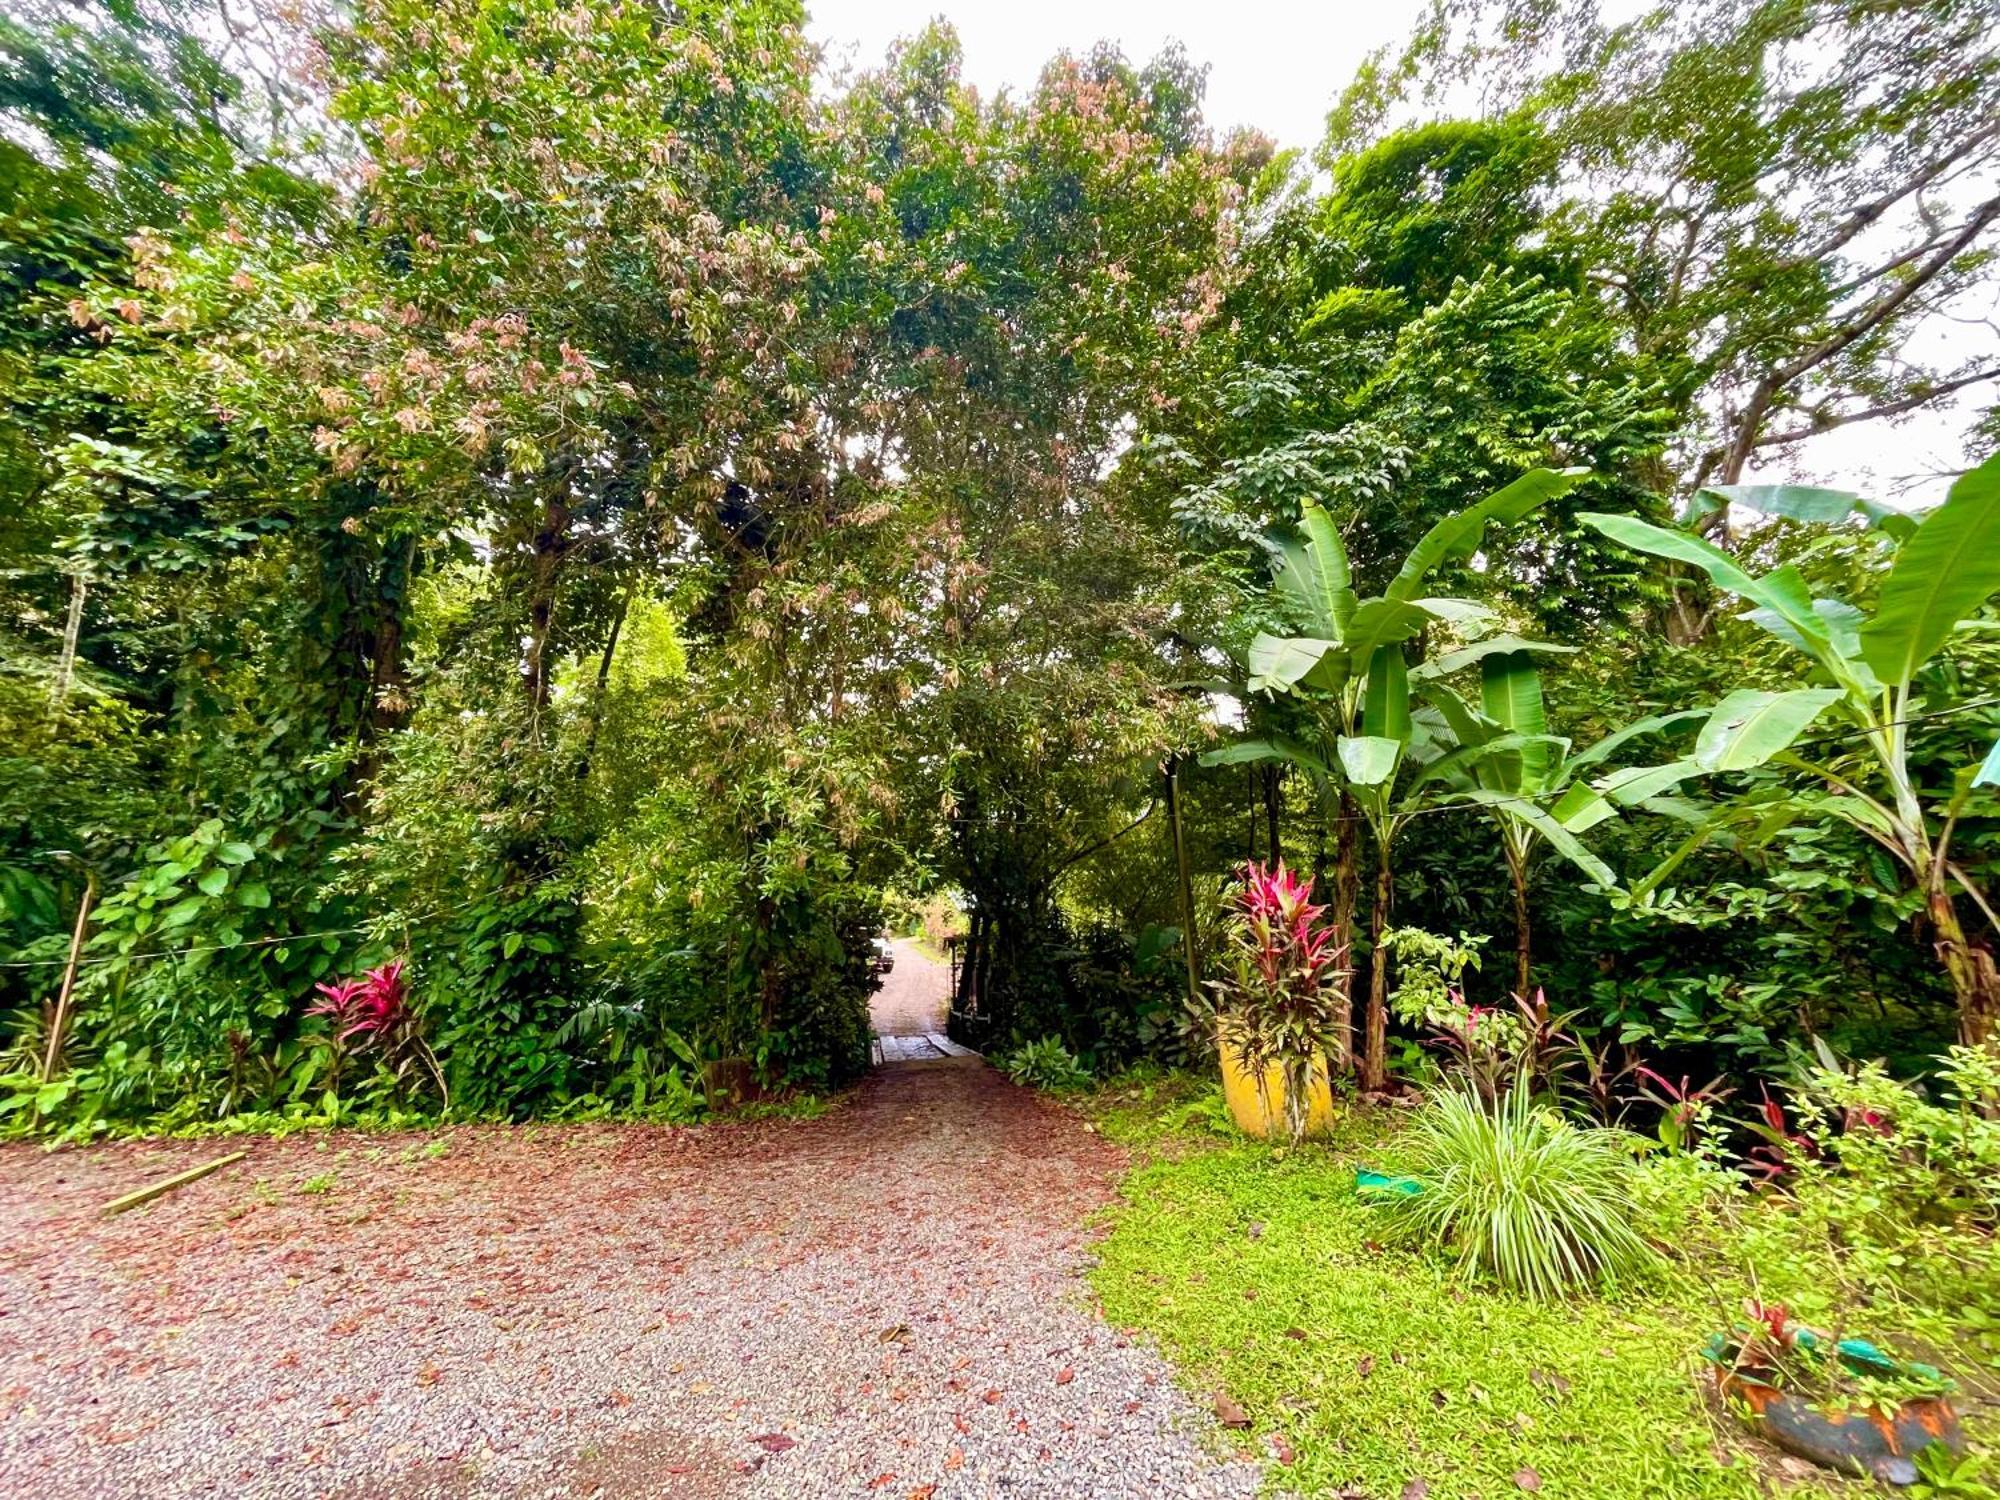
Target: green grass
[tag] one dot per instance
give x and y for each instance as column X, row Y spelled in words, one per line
column 1226, row 1252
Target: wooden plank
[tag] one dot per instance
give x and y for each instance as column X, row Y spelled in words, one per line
column 168, row 1184
column 948, row 1047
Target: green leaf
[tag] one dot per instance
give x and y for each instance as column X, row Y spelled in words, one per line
column 1796, row 502
column 1281, row 661
column 510, row 945
column 1457, row 537
column 1315, row 576
column 213, row 882
column 236, row 852
column 1276, row 747
column 1385, row 705
column 1368, row 760
column 1465, row 656
column 1560, row 838
column 1946, row 570
column 1605, row 748
column 1582, row 807
column 254, row 893
column 1510, row 690
column 183, row 912
column 1382, row 622
column 1724, row 570
column 1635, row 785
column 1749, row 726
column 1989, row 770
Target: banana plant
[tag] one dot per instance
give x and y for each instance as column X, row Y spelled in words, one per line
column 1528, row 781
column 1864, row 672
column 1367, row 749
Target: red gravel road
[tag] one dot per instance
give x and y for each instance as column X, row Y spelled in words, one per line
column 914, row 996
column 880, row 1302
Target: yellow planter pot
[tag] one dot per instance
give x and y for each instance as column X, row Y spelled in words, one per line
column 1261, row 1112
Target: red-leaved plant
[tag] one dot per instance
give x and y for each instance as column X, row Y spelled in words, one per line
column 374, row 1013
column 1282, row 1003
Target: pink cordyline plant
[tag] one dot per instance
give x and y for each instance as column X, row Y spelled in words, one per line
column 376, row 1010
column 1282, row 1003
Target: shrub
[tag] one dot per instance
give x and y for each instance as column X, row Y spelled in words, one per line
column 1282, row 1004
column 1046, row 1064
column 1533, row 1201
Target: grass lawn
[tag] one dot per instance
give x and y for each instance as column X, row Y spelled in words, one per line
column 1382, row 1374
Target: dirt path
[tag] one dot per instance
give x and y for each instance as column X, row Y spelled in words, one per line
column 914, row 995
column 882, row 1302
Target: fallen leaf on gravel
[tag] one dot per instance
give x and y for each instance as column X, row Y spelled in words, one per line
column 619, row 1398
column 429, row 1374
column 880, row 1480
column 775, row 1442
column 898, row 1334
column 1229, row 1413
column 991, row 1398
column 1065, row 1375
column 958, row 1421
column 922, row 1492
column 1416, row 1489
column 1527, row 1479
column 954, row 1460
column 963, row 1362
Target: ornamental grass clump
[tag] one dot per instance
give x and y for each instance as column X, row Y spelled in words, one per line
column 1530, row 1199
column 1282, row 1004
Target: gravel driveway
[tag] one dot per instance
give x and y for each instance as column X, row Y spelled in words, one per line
column 915, row 994
column 882, row 1302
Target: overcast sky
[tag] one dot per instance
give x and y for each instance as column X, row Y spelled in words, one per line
column 1278, row 65
column 1275, row 64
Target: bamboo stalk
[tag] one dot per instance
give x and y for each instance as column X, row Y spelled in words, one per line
column 59, row 1018
column 166, row 1185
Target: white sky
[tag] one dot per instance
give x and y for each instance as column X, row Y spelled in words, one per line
column 1278, row 65
column 1275, row 64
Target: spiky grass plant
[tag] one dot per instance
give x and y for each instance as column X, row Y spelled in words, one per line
column 1538, row 1204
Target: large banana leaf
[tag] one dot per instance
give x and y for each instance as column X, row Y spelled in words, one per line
column 1376, row 623
column 1457, row 536
column 1946, row 570
column 1465, row 656
column 1510, row 690
column 1280, row 661
column 1315, row 578
column 1605, row 748
column 1634, row 786
column 1368, row 759
column 1728, row 574
column 1274, row 747
column 1582, row 807
column 1385, row 703
column 1989, row 769
column 1750, row 726
column 1560, row 838
column 1805, row 502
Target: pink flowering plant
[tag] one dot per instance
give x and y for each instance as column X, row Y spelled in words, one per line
column 373, row 1015
column 1283, row 1003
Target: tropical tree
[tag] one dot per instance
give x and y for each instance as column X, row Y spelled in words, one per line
column 1379, row 758
column 1527, row 779
column 1869, row 670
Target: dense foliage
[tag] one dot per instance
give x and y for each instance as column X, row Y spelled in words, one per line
column 559, row 497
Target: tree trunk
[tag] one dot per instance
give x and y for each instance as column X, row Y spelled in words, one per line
column 1186, row 887
column 1273, row 806
column 1974, row 979
column 1375, row 1058
column 1517, row 874
column 1346, row 900
column 552, row 542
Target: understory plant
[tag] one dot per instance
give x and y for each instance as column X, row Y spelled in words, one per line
column 373, row 1016
column 1045, row 1064
column 1523, row 1196
column 1281, row 1005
